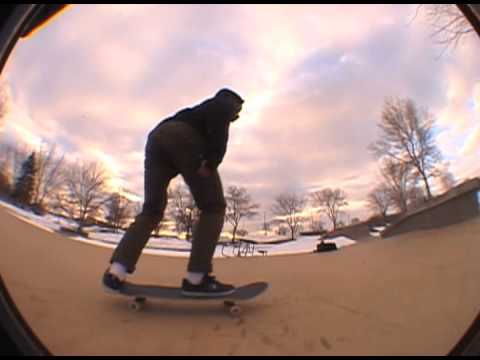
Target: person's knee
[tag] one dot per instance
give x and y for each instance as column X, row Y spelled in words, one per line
column 154, row 212
column 148, row 220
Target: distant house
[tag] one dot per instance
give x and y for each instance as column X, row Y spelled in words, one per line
column 457, row 205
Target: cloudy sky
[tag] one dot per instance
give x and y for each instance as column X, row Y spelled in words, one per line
column 314, row 77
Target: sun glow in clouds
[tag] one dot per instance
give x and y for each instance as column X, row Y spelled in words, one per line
column 252, row 109
column 21, row 132
column 112, row 169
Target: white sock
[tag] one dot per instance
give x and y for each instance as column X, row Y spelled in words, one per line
column 118, row 270
column 195, row 278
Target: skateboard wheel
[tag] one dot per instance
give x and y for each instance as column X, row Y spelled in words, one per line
column 137, row 304
column 233, row 308
column 235, row 311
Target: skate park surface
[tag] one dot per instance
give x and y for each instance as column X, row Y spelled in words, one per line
column 412, row 294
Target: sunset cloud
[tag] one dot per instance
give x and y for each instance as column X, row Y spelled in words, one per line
column 314, row 78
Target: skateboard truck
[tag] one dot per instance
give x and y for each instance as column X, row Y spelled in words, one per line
column 138, row 303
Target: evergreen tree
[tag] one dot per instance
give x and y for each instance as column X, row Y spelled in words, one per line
column 24, row 191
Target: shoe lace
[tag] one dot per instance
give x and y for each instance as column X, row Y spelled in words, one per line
column 211, row 279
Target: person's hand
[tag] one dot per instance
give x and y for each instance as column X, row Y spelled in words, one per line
column 204, row 171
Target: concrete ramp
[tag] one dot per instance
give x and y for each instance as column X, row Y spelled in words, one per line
column 455, row 206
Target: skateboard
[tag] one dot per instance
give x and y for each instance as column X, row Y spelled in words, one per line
column 139, row 294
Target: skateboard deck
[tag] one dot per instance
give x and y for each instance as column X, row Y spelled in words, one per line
column 139, row 293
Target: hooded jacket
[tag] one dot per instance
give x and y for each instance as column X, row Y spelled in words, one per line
column 212, row 119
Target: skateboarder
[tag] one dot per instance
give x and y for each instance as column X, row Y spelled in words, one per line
column 191, row 143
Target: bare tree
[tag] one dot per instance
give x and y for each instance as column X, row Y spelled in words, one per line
column 5, row 101
column 380, row 200
column 118, row 210
column 408, row 138
column 331, row 202
column 84, row 195
column 447, row 180
column 288, row 206
column 398, row 180
column 63, row 205
column 282, row 230
column 184, row 210
column 50, row 173
column 316, row 224
column 239, row 206
column 449, row 25
column 415, row 197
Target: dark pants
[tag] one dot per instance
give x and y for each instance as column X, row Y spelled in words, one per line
column 176, row 148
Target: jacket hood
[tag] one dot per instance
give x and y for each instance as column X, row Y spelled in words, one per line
column 227, row 93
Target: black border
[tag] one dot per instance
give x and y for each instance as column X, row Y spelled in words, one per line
column 18, row 20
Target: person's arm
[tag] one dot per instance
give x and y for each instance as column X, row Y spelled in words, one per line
column 217, row 117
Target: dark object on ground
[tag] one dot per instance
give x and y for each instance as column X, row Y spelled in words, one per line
column 324, row 247
column 71, row 231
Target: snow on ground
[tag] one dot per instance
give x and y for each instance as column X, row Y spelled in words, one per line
column 175, row 247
